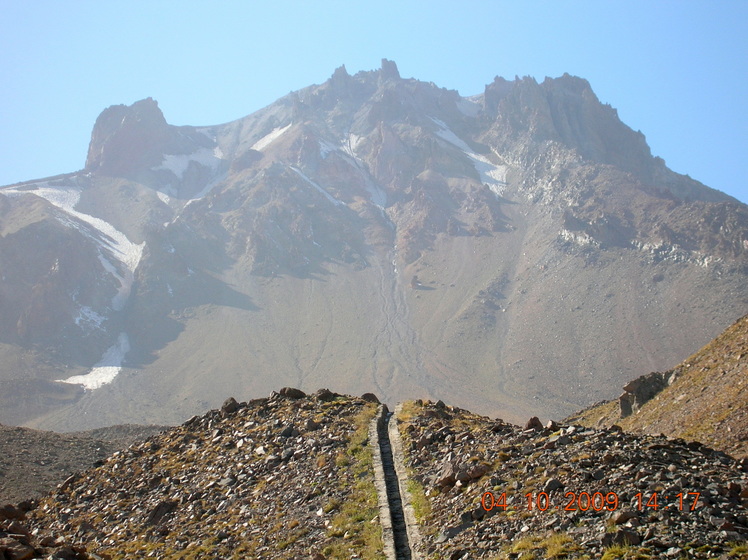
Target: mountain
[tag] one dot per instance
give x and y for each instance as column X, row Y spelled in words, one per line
column 295, row 475
column 703, row 398
column 519, row 252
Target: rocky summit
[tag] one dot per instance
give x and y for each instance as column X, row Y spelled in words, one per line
column 520, row 251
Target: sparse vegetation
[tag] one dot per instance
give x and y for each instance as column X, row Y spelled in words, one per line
column 709, row 396
column 353, row 522
column 552, row 546
column 621, row 552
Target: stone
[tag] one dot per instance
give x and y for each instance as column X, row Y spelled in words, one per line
column 534, row 423
column 15, row 550
column 552, row 484
column 446, row 476
column 621, row 537
column 229, row 406
column 292, row 393
column 325, row 395
column 310, row 425
column 370, row 397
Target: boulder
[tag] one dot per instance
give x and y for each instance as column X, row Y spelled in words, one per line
column 12, row 549
column 325, row 395
column 292, row 393
column 621, row 537
column 229, row 406
column 447, row 476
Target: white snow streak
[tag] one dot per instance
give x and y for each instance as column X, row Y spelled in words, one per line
column 87, row 317
column 492, row 175
column 268, row 139
column 114, row 242
column 178, row 164
column 349, row 145
column 326, row 194
column 105, row 369
column 163, row 196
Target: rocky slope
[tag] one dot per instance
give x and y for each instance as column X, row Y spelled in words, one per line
column 593, row 491
column 282, row 477
column 519, row 250
column 704, row 398
column 32, row 463
column 292, row 476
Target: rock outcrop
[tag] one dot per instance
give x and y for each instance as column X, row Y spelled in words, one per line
column 705, row 397
column 643, row 389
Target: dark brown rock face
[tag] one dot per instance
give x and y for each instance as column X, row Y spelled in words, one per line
column 127, row 138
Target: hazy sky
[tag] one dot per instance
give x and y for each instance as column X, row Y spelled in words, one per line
column 676, row 70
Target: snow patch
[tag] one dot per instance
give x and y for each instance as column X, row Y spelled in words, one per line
column 349, row 145
column 661, row 251
column 326, row 194
column 468, row 108
column 179, row 163
column 491, row 174
column 268, row 139
column 89, row 318
column 578, row 238
column 163, row 197
column 111, row 241
column 105, row 369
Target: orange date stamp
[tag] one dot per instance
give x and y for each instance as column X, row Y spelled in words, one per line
column 585, row 501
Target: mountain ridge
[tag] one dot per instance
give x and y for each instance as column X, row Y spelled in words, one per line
column 381, row 231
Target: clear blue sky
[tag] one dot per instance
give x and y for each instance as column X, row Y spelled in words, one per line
column 676, row 70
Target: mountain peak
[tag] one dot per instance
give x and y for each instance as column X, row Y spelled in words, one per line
column 274, row 240
column 389, row 70
column 124, row 137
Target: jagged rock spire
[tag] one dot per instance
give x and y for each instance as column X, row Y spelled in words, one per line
column 389, row 70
